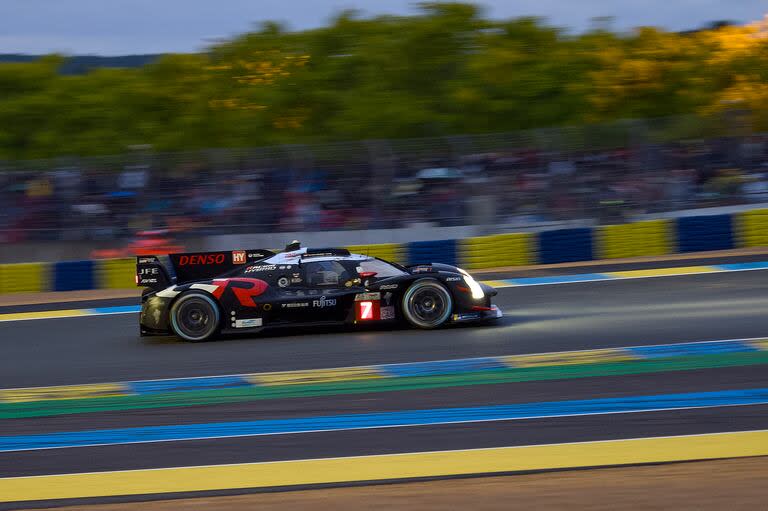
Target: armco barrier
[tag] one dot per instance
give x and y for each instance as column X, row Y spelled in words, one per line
column 702, row 233
column 24, row 277
column 115, row 273
column 752, row 228
column 649, row 238
column 388, row 251
column 497, row 251
column 73, row 275
column 565, row 245
column 441, row 251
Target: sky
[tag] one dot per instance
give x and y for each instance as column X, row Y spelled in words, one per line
column 120, row 27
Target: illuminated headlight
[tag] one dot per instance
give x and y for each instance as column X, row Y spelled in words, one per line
column 477, row 291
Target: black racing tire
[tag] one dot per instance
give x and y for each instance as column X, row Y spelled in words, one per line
column 427, row 304
column 195, row 317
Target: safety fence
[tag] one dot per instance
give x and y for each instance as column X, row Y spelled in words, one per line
column 647, row 238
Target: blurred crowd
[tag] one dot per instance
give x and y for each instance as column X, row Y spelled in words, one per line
column 518, row 187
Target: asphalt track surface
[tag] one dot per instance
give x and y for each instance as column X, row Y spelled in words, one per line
column 580, row 316
column 537, row 319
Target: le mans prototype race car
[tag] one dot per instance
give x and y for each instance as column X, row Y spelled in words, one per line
column 197, row 296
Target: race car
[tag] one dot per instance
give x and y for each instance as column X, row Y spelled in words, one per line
column 197, row 296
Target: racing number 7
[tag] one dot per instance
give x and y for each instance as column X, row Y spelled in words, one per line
column 366, row 310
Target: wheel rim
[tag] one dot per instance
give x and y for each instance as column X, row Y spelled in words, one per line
column 428, row 305
column 195, row 319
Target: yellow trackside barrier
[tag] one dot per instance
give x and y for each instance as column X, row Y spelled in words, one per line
column 115, row 273
column 752, row 228
column 650, row 238
column 394, row 252
column 498, row 250
column 25, row 277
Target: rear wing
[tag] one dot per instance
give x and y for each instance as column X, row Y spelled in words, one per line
column 191, row 266
column 151, row 273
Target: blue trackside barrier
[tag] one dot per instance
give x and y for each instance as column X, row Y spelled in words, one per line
column 565, row 245
column 73, row 275
column 441, row 251
column 691, row 234
column 702, row 233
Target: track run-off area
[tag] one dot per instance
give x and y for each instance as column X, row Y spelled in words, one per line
column 621, row 365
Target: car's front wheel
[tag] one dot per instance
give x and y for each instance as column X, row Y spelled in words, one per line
column 195, row 317
column 427, row 304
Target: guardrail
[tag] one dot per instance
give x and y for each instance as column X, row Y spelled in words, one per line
column 646, row 238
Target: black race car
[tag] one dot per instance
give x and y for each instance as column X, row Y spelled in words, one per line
column 196, row 296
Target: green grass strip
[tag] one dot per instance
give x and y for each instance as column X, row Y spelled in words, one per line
column 250, row 393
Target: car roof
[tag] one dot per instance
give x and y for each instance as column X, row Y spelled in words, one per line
column 302, row 255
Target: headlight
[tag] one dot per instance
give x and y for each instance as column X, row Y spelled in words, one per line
column 477, row 291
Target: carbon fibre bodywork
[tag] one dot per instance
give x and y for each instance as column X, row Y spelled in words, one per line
column 281, row 290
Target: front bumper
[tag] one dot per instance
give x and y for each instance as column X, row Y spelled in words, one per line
column 493, row 312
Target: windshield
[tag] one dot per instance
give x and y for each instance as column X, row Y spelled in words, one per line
column 382, row 268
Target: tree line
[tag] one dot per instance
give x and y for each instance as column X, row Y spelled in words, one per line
column 446, row 70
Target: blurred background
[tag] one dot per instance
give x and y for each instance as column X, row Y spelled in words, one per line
column 443, row 115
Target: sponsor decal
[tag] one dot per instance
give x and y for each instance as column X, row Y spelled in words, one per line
column 149, row 271
column 387, row 298
column 147, row 281
column 248, row 323
column 324, row 302
column 367, row 296
column 389, row 286
column 261, row 267
column 190, row 260
column 244, row 289
column 422, row 269
column 283, row 282
column 294, row 305
column 388, row 312
column 453, row 279
column 295, row 280
column 471, row 316
column 146, row 260
column 238, row 257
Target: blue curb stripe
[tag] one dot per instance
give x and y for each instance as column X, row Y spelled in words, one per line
column 125, row 309
column 693, row 348
column 385, row 419
column 759, row 265
column 187, row 384
column 442, row 367
column 557, row 279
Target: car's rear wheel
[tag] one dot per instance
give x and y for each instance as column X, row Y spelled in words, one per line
column 195, row 317
column 427, row 304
